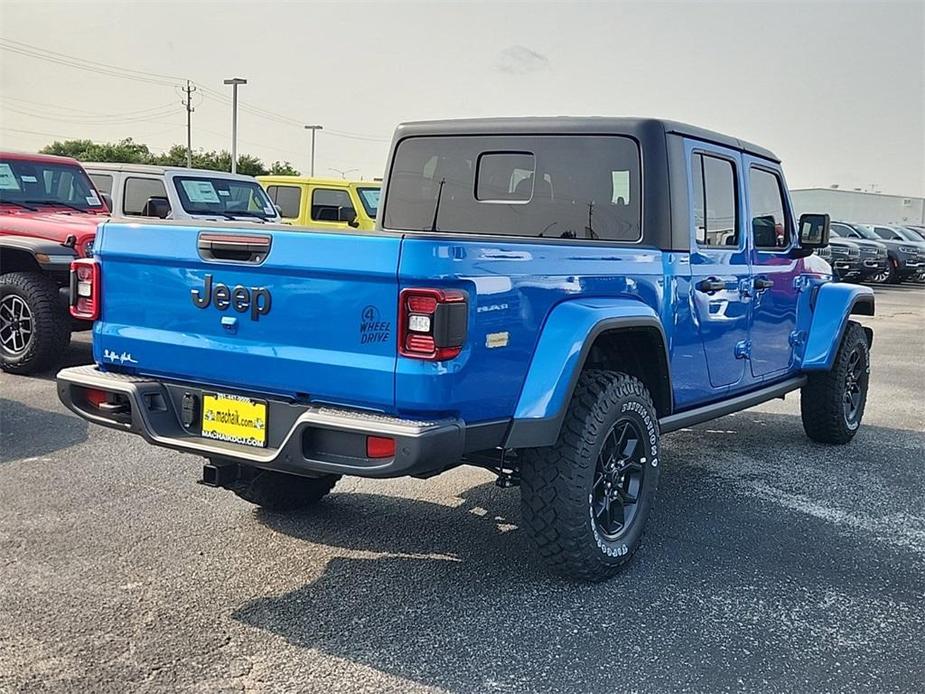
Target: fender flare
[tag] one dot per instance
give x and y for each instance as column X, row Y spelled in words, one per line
column 560, row 354
column 49, row 255
column 834, row 303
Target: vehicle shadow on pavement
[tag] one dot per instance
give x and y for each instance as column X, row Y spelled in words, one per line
column 26, row 432
column 79, row 352
column 768, row 561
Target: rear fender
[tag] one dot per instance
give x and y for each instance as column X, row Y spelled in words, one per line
column 834, row 303
column 561, row 352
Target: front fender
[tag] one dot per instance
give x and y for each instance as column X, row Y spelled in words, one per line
column 50, row 256
column 567, row 336
column 834, row 303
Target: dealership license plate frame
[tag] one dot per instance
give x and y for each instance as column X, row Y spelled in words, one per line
column 245, row 408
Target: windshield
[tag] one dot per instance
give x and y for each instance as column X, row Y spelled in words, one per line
column 370, row 199
column 866, row 232
column 907, row 234
column 885, row 233
column 213, row 195
column 26, row 183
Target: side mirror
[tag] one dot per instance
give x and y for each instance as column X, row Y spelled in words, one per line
column 349, row 215
column 814, row 230
column 107, row 200
column 156, row 207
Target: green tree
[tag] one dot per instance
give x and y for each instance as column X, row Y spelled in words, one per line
column 283, row 168
column 125, row 151
column 128, row 151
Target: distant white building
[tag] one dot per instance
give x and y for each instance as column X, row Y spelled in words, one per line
column 859, row 207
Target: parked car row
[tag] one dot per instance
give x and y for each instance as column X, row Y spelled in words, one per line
column 876, row 252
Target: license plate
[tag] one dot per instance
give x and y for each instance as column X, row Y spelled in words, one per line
column 234, row 419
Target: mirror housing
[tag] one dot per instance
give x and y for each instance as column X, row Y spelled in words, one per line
column 349, row 215
column 107, row 200
column 156, row 207
column 814, row 230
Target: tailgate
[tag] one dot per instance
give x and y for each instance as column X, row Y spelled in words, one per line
column 312, row 316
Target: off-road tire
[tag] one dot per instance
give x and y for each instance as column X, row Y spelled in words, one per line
column 557, row 482
column 51, row 324
column 278, row 491
column 822, row 399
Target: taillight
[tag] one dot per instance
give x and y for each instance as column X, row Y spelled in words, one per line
column 85, row 289
column 432, row 323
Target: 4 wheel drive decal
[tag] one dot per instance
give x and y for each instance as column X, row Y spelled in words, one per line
column 372, row 327
column 242, row 299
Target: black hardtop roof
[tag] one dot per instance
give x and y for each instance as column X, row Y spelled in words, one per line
column 598, row 125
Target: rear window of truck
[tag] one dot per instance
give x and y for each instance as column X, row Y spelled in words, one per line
column 545, row 186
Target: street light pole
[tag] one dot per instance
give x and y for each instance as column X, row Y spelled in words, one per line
column 313, row 128
column 234, row 82
column 343, row 172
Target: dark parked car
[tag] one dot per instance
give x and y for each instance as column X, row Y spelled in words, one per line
column 907, row 258
column 874, row 259
column 845, row 258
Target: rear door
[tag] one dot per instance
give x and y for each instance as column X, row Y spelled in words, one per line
column 312, row 316
column 775, row 270
column 288, row 198
column 720, row 269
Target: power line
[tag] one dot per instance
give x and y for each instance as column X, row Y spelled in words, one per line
column 154, row 116
column 39, row 53
column 47, row 55
column 59, row 107
column 162, row 148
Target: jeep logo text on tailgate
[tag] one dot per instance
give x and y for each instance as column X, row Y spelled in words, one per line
column 256, row 299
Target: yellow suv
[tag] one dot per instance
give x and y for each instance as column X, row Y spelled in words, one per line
column 324, row 203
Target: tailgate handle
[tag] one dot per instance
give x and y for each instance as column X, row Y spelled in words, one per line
column 238, row 248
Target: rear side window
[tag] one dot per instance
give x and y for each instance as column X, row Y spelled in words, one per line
column 103, row 182
column 325, row 204
column 137, row 193
column 715, row 209
column 552, row 186
column 770, row 227
column 288, row 198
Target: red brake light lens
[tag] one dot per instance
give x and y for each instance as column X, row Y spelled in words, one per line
column 432, row 323
column 85, row 289
column 422, row 304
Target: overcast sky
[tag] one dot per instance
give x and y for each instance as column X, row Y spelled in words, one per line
column 837, row 90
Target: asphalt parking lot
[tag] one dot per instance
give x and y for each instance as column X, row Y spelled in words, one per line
column 770, row 564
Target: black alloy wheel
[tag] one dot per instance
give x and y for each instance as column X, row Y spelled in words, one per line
column 618, row 479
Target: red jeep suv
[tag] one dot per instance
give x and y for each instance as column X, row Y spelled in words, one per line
column 49, row 211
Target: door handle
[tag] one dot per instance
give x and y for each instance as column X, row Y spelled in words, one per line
column 710, row 285
column 762, row 283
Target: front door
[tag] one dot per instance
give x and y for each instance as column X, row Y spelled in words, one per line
column 720, row 271
column 775, row 271
column 330, row 207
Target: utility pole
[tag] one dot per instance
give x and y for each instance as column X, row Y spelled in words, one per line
column 234, row 82
column 188, row 102
column 313, row 128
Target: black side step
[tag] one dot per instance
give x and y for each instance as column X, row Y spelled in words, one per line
column 721, row 409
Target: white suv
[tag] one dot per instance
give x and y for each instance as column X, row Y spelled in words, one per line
column 173, row 192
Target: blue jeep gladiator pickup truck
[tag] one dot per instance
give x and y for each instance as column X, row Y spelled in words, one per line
column 543, row 297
